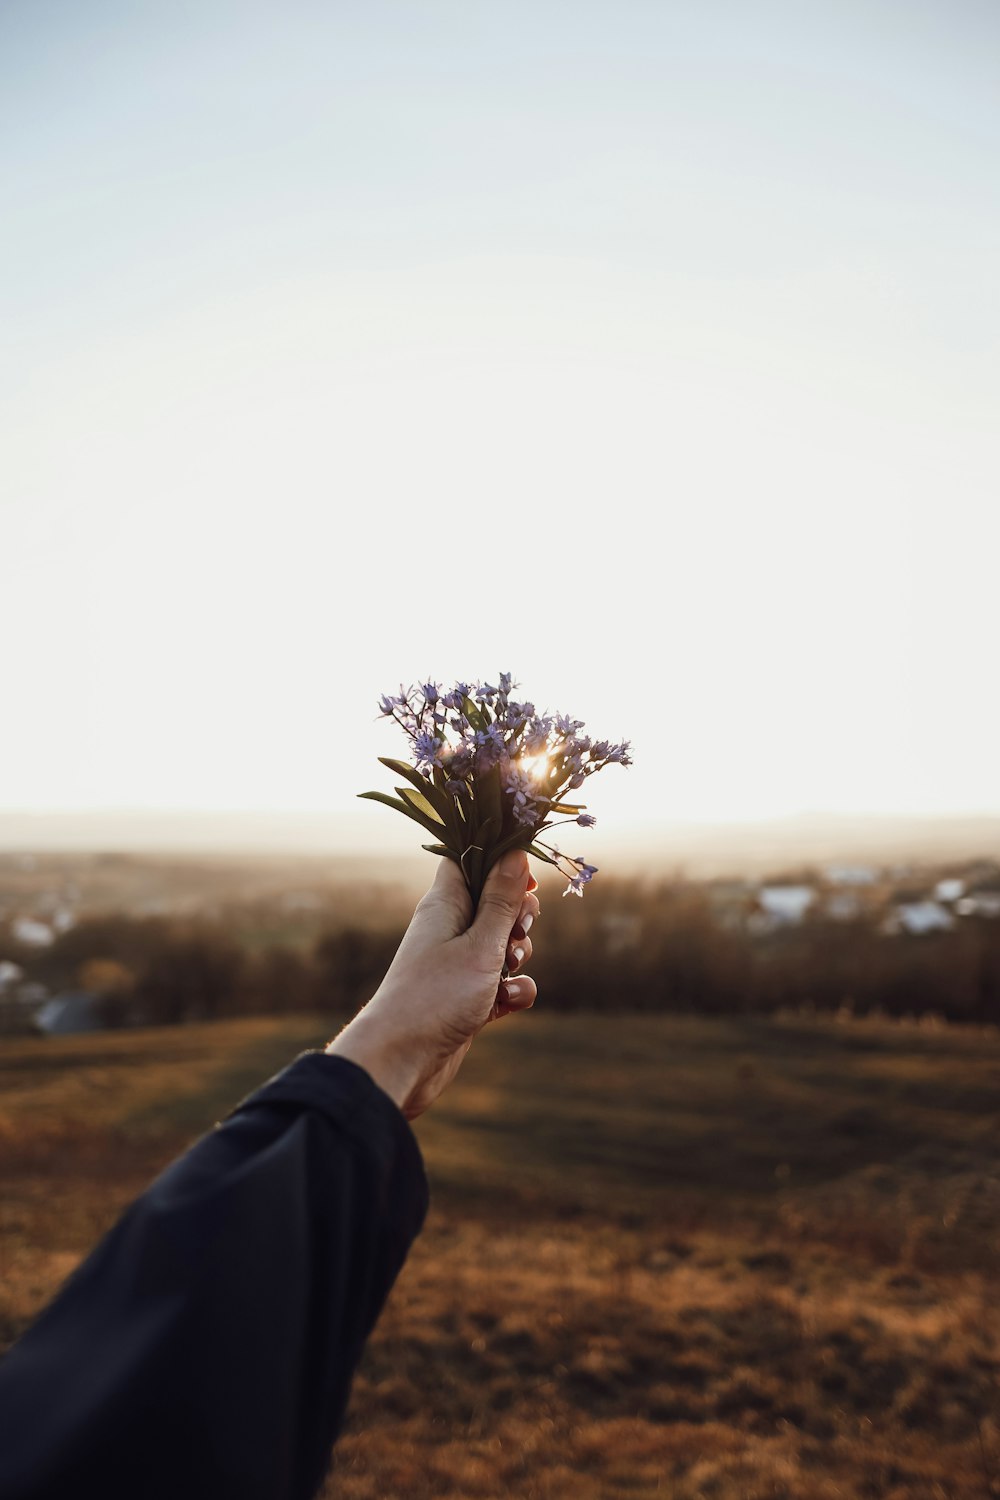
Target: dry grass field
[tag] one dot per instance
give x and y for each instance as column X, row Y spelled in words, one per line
column 667, row 1257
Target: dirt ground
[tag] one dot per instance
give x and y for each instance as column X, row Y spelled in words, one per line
column 726, row 1259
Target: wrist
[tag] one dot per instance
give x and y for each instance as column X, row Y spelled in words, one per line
column 392, row 1067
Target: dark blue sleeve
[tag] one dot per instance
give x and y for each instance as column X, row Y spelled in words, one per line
column 206, row 1347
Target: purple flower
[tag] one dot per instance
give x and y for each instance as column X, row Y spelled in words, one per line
column 537, row 737
column 584, row 875
column 444, row 737
column 521, row 789
column 489, row 743
column 567, row 726
column 427, row 752
column 463, row 760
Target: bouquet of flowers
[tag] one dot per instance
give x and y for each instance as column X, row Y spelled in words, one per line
column 490, row 774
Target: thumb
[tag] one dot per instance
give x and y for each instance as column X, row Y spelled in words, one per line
column 500, row 903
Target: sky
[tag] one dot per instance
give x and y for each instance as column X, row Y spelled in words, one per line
column 648, row 351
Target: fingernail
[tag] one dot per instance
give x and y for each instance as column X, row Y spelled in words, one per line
column 519, row 955
column 525, row 924
column 515, row 989
column 518, row 931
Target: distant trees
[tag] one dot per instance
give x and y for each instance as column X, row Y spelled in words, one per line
column 349, row 963
column 632, row 945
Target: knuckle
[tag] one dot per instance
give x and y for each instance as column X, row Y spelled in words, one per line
column 500, row 900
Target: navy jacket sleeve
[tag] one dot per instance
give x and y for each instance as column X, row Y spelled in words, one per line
column 206, row 1347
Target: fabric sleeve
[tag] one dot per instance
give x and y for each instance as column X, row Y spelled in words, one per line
column 206, row 1347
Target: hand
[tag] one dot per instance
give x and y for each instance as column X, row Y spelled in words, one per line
column 444, row 984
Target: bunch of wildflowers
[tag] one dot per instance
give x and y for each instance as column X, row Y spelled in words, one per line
column 491, row 773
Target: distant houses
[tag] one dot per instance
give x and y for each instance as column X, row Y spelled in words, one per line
column 70, row 1013
column 780, row 906
column 896, row 903
column 916, row 918
column 10, row 975
column 31, row 932
column 980, row 904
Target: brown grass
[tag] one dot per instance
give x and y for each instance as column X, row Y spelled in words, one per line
column 664, row 1257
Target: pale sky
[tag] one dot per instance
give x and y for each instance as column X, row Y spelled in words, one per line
column 646, row 350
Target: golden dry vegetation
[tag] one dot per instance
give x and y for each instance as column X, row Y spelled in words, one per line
column 728, row 1259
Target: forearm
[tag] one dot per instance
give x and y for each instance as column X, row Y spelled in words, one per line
column 206, row 1347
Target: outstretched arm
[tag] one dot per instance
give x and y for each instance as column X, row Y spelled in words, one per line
column 206, row 1347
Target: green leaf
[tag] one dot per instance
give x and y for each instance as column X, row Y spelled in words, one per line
column 437, row 797
column 487, row 834
column 513, row 840
column 471, row 863
column 489, row 795
column 432, row 825
column 472, row 713
column 421, row 803
column 542, row 854
column 384, row 797
column 444, row 851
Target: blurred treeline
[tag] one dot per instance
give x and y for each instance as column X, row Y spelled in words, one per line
column 668, row 947
column 631, row 945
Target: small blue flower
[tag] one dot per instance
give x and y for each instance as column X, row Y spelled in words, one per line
column 426, row 752
column 586, row 820
column 489, row 743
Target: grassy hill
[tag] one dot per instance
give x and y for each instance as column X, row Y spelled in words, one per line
column 664, row 1256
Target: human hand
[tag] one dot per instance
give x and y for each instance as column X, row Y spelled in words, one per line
column 444, row 985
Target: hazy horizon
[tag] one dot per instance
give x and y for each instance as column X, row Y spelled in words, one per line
column 695, row 847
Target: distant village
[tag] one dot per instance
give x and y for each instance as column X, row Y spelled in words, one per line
column 900, row 903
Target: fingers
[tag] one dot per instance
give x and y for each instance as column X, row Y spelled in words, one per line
column 518, row 952
column 514, row 995
column 519, row 946
column 501, row 902
column 530, row 909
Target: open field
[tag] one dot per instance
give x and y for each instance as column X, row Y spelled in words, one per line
column 729, row 1259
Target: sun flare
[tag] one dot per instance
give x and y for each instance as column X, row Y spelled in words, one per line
column 536, row 766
